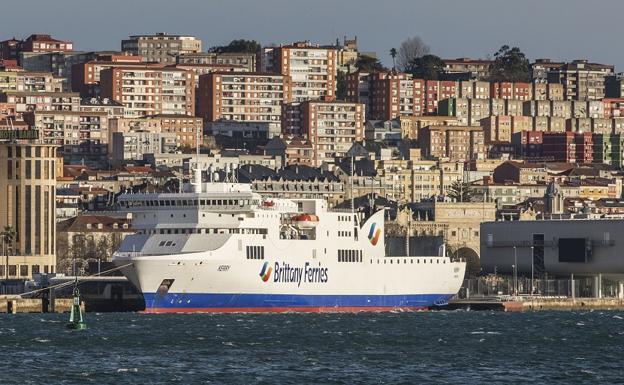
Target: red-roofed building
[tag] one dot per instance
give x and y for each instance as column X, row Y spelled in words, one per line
column 475, row 68
column 10, row 65
column 86, row 76
column 45, row 43
column 9, row 49
column 96, row 235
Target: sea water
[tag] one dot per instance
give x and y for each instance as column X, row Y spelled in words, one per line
column 364, row 348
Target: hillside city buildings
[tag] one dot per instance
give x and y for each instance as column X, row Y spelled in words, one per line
column 299, row 119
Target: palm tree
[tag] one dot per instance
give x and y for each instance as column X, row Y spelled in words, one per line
column 393, row 53
column 8, row 235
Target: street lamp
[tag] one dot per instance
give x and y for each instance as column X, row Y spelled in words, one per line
column 515, row 271
column 532, row 258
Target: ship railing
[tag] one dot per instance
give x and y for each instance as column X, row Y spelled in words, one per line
column 129, row 254
column 545, row 243
column 337, row 210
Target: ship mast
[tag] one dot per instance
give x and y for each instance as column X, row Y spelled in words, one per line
column 198, row 178
column 351, row 183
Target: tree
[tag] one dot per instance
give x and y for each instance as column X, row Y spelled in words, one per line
column 238, row 46
column 460, row 191
column 369, row 64
column 393, row 53
column 8, row 236
column 102, row 250
column 428, row 67
column 410, row 49
column 510, row 65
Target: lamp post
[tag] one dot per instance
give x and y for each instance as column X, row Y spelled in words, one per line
column 515, row 272
column 532, row 257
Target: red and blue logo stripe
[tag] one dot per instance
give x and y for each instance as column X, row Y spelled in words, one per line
column 373, row 234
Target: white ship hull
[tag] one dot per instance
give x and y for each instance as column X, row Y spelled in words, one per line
column 201, row 285
column 224, row 251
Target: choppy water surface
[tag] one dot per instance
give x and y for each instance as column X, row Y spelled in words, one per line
column 428, row 347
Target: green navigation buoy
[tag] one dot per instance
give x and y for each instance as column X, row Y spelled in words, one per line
column 76, row 322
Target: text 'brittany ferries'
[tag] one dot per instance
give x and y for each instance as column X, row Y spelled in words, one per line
column 287, row 274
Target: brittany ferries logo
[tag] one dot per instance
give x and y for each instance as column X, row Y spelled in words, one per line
column 265, row 273
column 373, row 234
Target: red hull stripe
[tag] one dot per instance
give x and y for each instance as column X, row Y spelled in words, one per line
column 304, row 309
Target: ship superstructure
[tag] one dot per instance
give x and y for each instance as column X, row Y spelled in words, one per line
column 220, row 247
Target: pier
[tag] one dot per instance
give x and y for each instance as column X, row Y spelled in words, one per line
column 13, row 304
column 520, row 304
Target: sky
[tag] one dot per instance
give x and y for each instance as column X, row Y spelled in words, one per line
column 557, row 29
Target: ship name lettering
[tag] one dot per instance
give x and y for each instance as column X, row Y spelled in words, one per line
column 285, row 273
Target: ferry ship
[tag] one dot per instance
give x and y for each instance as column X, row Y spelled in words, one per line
column 217, row 246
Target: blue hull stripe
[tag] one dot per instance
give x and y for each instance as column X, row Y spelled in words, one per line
column 232, row 301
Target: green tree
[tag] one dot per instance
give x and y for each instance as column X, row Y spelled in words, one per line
column 460, row 191
column 8, row 237
column 428, row 67
column 510, row 65
column 238, row 46
column 393, row 53
column 369, row 64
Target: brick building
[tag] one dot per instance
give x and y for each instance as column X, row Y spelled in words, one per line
column 331, row 128
column 457, row 143
column 243, row 97
column 150, row 91
column 568, row 147
column 386, row 95
column 312, row 69
column 85, row 77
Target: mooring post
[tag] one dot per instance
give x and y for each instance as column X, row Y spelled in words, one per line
column 52, row 301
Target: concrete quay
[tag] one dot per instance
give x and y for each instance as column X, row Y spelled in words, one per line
column 16, row 304
column 515, row 304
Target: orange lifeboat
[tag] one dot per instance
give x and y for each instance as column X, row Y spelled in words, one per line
column 305, row 221
column 268, row 203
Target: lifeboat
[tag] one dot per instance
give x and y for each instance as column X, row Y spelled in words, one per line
column 268, row 203
column 305, row 221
